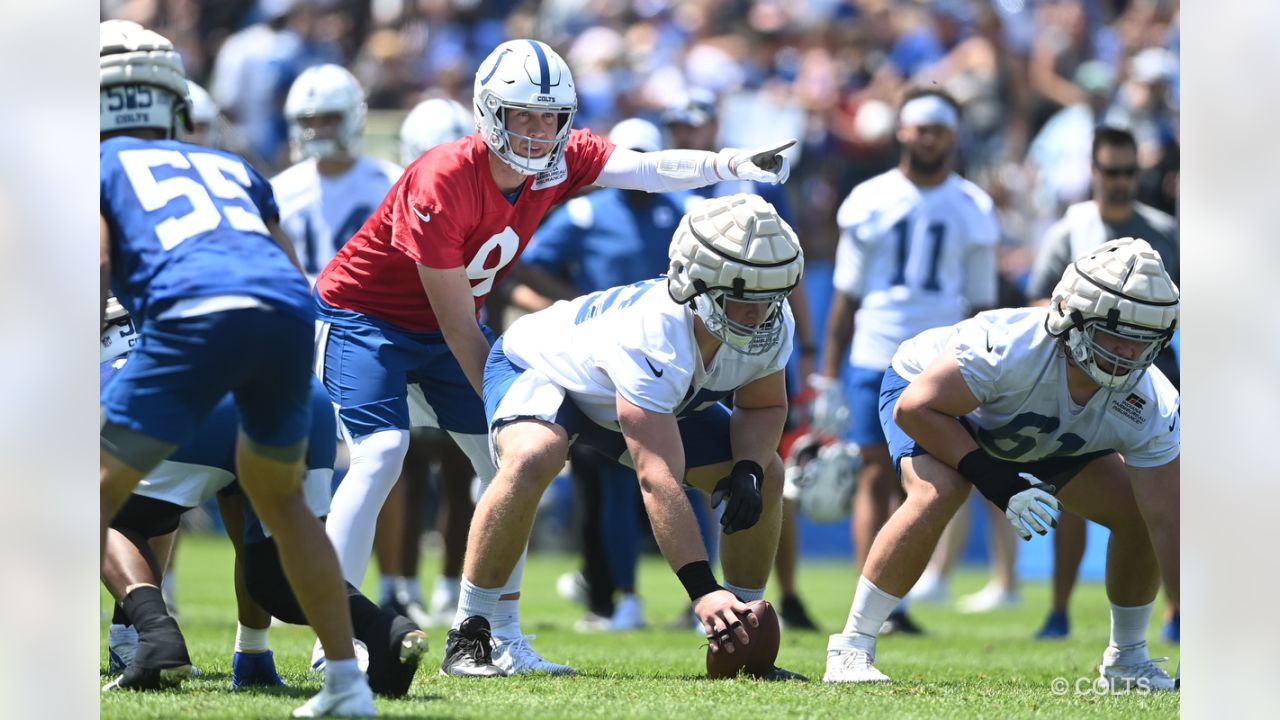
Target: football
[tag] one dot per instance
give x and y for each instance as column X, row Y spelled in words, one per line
column 757, row 657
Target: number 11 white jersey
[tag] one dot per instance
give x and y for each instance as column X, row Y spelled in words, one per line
column 915, row 258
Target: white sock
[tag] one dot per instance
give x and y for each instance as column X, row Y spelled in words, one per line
column 387, row 586
column 871, row 607
column 506, row 620
column 340, row 674
column 376, row 460
column 445, row 592
column 1129, row 625
column 745, row 594
column 251, row 640
column 474, row 600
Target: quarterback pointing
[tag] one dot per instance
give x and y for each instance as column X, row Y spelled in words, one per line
column 400, row 344
column 637, row 373
column 1037, row 407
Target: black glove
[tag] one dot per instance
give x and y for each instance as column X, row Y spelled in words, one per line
column 742, row 488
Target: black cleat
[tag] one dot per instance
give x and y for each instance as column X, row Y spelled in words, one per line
column 793, row 614
column 778, row 674
column 468, row 652
column 900, row 622
column 392, row 666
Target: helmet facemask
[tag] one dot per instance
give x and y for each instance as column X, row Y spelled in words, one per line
column 1086, row 350
column 1116, row 295
column 526, row 163
column 749, row 339
column 733, row 258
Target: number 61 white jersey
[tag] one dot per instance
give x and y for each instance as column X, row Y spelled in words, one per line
column 915, row 258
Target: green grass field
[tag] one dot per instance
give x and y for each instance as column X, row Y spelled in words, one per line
column 980, row 666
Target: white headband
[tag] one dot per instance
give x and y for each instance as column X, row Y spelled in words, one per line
column 928, row 110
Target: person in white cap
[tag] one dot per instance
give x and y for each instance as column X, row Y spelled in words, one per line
column 917, row 250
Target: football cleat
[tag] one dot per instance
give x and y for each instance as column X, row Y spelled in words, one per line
column 254, row 670
column 852, row 666
column 628, row 615
column 1172, row 631
column 778, row 674
column 988, row 599
column 354, row 701
column 1056, row 627
column 318, row 659
column 899, row 622
column 517, row 657
column 1132, row 669
column 468, row 651
column 793, row 614
column 392, row 668
column 135, row 677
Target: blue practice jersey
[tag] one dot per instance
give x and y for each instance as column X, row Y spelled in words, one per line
column 187, row 221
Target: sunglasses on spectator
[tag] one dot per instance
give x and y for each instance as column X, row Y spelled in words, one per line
column 1117, row 172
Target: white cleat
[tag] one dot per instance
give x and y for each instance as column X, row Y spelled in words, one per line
column 355, row 701
column 852, row 666
column 988, row 599
column 931, row 589
column 517, row 657
column 442, row 607
column 318, row 659
column 1133, row 669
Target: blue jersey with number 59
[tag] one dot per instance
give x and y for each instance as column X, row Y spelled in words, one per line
column 188, row 221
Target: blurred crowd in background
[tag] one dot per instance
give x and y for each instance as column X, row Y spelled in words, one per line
column 1035, row 77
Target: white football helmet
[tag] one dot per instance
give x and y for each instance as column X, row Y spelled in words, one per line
column 325, row 90
column 524, row 75
column 735, row 249
column 118, row 333
column 821, row 477
column 1120, row 289
column 204, row 115
column 141, row 80
column 430, row 123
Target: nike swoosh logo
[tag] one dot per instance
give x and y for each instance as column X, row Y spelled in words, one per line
column 425, row 218
column 989, row 342
column 656, row 371
column 1173, row 423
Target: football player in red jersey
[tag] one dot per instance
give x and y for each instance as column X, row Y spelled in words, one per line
column 400, row 344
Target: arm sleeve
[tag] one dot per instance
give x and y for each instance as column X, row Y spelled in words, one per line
column 661, row 171
column 437, row 242
column 1051, row 261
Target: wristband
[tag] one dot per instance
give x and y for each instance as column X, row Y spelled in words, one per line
column 749, row 467
column 997, row 480
column 698, row 579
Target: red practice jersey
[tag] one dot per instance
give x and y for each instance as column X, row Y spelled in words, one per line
column 445, row 212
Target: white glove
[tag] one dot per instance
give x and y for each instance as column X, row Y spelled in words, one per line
column 1026, row 505
column 829, row 416
column 764, row 164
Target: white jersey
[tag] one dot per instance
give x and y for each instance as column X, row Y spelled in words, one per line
column 915, row 258
column 634, row 341
column 321, row 213
column 1018, row 373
